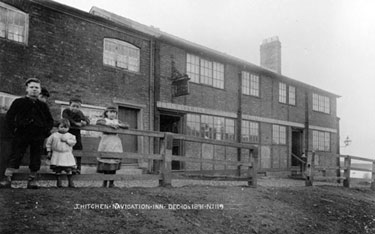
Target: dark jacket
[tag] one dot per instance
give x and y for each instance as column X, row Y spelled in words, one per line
column 74, row 118
column 27, row 113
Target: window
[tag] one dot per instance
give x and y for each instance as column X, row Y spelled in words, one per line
column 14, row 24
column 121, row 54
column 292, row 95
column 204, row 71
column 279, row 134
column 193, row 125
column 287, row 94
column 210, row 127
column 250, row 84
column 321, row 141
column 282, row 92
column 321, row 103
column 250, row 131
column 5, row 101
column 230, row 130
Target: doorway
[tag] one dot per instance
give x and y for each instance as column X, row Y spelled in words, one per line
column 297, row 146
column 129, row 142
column 172, row 123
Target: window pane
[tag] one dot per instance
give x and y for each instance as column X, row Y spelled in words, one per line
column 3, row 21
column 207, row 126
column 219, row 128
column 292, row 95
column 206, row 72
column 245, row 131
column 282, row 92
column 121, row 54
column 218, row 75
column 246, row 83
column 275, row 134
column 254, row 85
column 193, row 125
column 229, row 130
column 192, row 68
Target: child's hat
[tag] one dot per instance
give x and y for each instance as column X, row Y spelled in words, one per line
column 111, row 108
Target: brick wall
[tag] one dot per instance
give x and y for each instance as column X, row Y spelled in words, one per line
column 65, row 51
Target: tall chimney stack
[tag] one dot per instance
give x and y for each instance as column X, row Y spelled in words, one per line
column 270, row 54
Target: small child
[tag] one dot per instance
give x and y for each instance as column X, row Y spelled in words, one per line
column 110, row 142
column 76, row 119
column 59, row 147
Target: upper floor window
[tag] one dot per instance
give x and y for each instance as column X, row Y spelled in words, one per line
column 250, row 131
column 204, row 71
column 250, row 84
column 14, row 24
column 321, row 140
column 287, row 94
column 210, row 127
column 279, row 134
column 121, row 54
column 321, row 103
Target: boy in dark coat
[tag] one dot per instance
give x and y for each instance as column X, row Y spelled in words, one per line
column 30, row 121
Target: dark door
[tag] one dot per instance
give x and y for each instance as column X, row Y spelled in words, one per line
column 170, row 123
column 129, row 142
column 296, row 146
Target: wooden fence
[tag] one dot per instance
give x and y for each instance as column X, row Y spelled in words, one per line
column 341, row 172
column 245, row 170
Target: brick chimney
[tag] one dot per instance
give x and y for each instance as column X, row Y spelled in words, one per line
column 270, row 54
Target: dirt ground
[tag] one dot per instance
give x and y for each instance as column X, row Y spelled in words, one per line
column 188, row 209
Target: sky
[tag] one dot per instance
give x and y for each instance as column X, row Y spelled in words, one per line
column 329, row 44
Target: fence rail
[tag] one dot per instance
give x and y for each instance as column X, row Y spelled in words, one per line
column 347, row 168
column 165, row 157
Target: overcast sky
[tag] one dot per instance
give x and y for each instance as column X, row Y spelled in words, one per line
column 325, row 43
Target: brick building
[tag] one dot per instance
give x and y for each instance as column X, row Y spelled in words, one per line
column 108, row 59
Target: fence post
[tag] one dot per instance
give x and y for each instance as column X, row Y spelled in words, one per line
column 347, row 165
column 166, row 162
column 253, row 169
column 309, row 171
column 373, row 176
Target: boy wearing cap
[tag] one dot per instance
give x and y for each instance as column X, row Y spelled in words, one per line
column 30, row 120
column 76, row 119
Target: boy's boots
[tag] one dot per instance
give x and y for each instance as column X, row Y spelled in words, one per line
column 6, row 181
column 105, row 183
column 58, row 180
column 111, row 184
column 31, row 184
column 70, row 181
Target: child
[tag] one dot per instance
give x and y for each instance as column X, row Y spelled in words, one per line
column 59, row 147
column 110, row 142
column 76, row 119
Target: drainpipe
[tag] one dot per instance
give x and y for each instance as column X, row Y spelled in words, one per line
column 306, row 122
column 338, row 171
column 239, row 120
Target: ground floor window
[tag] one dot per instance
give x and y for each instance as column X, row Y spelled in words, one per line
column 210, row 127
column 250, row 131
column 321, row 141
column 278, row 134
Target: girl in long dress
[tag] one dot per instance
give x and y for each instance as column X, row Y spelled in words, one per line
column 110, row 142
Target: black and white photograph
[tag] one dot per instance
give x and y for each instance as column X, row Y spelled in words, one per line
column 187, row 116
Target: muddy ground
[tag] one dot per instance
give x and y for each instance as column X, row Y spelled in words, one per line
column 197, row 209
